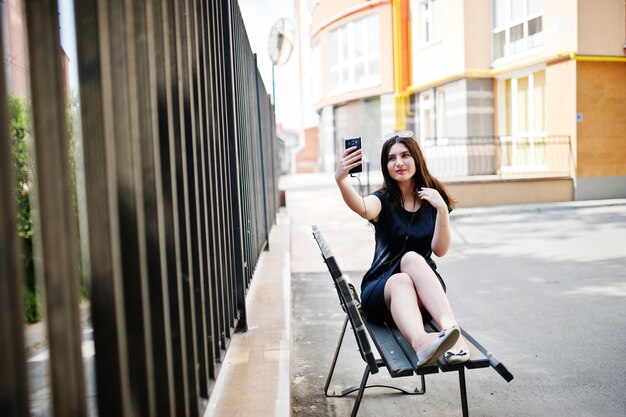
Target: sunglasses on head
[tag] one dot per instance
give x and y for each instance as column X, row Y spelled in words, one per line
column 400, row 134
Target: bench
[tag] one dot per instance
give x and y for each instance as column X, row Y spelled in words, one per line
column 395, row 352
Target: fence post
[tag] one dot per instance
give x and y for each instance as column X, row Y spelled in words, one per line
column 13, row 384
column 233, row 170
column 57, row 239
column 260, row 131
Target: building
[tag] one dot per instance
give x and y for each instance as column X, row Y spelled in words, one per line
column 512, row 100
column 16, row 51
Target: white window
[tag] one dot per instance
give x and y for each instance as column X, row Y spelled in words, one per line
column 427, row 118
column 354, row 55
column 427, row 15
column 522, row 120
column 517, row 26
column 432, row 117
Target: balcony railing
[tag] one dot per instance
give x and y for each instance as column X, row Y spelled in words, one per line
column 504, row 156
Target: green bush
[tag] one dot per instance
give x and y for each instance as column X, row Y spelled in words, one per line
column 72, row 113
column 20, row 129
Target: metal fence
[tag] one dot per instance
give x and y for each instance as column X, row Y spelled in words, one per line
column 181, row 193
column 504, row 156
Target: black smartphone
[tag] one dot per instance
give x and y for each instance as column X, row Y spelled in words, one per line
column 350, row 142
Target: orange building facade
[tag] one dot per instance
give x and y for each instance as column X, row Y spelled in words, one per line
column 520, row 95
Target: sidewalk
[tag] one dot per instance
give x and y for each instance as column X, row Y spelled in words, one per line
column 254, row 378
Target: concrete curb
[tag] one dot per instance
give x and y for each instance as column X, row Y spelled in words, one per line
column 529, row 208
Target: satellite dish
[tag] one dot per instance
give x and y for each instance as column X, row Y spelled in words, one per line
column 280, row 42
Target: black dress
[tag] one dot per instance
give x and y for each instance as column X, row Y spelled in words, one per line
column 398, row 231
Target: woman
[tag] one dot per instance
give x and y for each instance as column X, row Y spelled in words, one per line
column 411, row 217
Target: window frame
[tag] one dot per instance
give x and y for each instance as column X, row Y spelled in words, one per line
column 511, row 136
column 341, row 68
column 429, row 23
column 508, row 24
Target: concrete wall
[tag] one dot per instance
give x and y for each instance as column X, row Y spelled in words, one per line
column 478, row 34
column 560, row 26
column 601, row 27
column 444, row 57
column 499, row 192
column 561, row 99
column 587, row 27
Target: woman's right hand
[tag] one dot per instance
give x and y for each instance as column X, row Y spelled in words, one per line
column 349, row 159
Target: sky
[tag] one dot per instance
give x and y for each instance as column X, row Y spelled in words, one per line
column 259, row 17
column 68, row 39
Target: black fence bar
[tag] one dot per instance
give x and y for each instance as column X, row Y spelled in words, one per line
column 174, row 207
column 144, row 46
column 207, row 318
column 233, row 42
column 178, row 137
column 164, row 67
column 227, row 319
column 107, row 295
column 213, row 142
column 58, row 259
column 204, row 68
column 13, row 387
column 182, row 192
column 194, row 169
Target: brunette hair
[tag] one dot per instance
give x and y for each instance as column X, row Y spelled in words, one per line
column 422, row 177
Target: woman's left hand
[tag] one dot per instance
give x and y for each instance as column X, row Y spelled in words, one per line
column 433, row 197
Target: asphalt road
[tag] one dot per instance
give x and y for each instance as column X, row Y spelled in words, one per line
column 542, row 287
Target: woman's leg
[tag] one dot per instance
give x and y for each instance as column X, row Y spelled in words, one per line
column 401, row 299
column 429, row 291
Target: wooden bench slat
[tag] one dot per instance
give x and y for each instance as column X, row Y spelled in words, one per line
column 410, row 354
column 356, row 321
column 477, row 359
column 392, row 354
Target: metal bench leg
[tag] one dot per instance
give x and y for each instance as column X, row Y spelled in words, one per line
column 359, row 396
column 416, row 391
column 332, row 367
column 463, row 392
